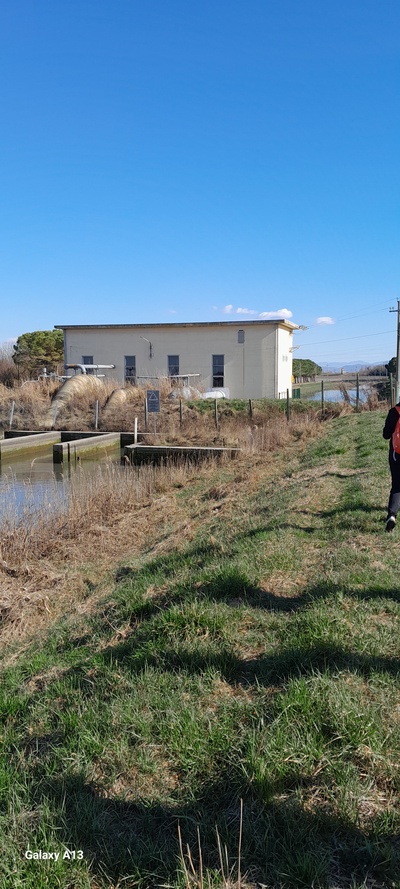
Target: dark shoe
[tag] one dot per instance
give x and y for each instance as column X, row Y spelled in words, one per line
column 391, row 523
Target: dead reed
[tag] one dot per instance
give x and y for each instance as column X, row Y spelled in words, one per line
column 54, row 551
column 229, row 876
column 35, row 402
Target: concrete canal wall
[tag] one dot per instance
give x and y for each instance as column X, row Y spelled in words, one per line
column 64, row 444
column 141, row 453
column 92, row 446
column 22, row 445
column 71, row 446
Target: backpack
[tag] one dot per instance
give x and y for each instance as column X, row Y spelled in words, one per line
column 396, row 433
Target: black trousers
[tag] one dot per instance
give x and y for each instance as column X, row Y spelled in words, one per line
column 394, row 498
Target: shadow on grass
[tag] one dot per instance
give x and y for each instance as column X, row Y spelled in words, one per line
column 231, row 586
column 283, row 845
column 135, row 840
column 274, row 670
column 347, row 511
column 152, row 629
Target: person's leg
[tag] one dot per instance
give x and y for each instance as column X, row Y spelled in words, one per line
column 394, row 497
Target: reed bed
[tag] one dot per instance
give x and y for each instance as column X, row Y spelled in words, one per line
column 33, row 403
column 91, row 520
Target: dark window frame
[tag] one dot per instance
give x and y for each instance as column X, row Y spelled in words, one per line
column 88, row 359
column 218, row 371
column 173, row 365
column 129, row 376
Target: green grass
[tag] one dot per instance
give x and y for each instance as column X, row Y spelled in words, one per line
column 261, row 663
column 264, row 408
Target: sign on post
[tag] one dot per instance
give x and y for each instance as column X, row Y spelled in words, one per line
column 153, row 404
column 153, row 401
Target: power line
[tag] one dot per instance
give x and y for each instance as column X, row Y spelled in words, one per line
column 345, row 338
column 361, row 315
column 357, row 315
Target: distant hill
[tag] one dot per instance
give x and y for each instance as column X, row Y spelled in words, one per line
column 352, row 366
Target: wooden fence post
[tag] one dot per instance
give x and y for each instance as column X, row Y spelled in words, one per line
column 287, row 405
column 216, row 413
column 322, row 398
column 180, row 412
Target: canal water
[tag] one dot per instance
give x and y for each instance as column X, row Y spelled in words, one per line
column 336, row 395
column 29, row 486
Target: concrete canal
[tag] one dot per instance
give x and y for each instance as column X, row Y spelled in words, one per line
column 36, row 469
column 34, row 476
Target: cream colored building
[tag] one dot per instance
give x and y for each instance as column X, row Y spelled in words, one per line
column 251, row 359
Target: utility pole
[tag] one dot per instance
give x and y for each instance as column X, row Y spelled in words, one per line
column 397, row 350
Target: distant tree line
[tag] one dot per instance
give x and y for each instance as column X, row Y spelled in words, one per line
column 305, row 370
column 377, row 370
column 391, row 367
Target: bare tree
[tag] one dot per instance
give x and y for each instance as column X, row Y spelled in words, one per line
column 8, row 370
column 7, row 349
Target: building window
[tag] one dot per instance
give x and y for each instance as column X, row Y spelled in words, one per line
column 130, row 369
column 88, row 359
column 240, row 336
column 218, row 370
column 173, row 365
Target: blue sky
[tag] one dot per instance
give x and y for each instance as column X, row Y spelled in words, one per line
column 188, row 161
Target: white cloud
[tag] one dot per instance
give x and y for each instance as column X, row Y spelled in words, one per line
column 280, row 313
column 172, row 311
column 246, row 312
column 325, row 319
column 215, row 308
column 228, row 309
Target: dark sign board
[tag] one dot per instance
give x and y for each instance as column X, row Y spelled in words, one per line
column 153, row 401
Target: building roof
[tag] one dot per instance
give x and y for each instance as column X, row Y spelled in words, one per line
column 280, row 322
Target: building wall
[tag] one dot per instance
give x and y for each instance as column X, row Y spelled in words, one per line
column 284, row 362
column 252, row 368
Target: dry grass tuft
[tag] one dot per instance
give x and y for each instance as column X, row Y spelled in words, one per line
column 230, row 876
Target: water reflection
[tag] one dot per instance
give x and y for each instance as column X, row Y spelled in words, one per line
column 36, row 470
column 337, row 395
column 33, row 486
column 28, row 487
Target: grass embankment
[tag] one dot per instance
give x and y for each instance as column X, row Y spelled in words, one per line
column 258, row 661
